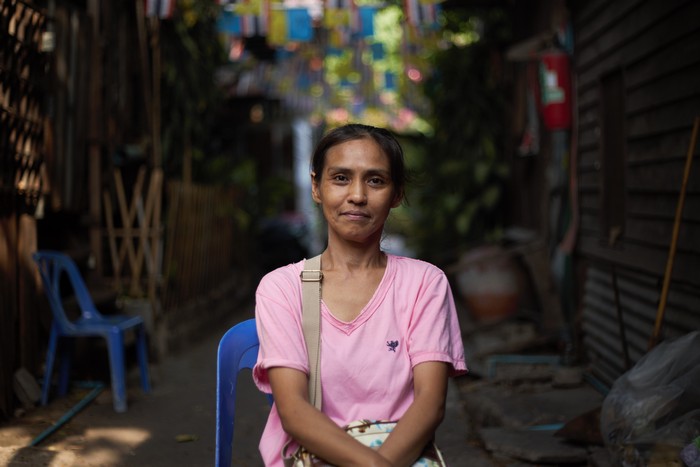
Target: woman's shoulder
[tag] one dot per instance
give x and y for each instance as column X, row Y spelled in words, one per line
column 405, row 264
column 282, row 276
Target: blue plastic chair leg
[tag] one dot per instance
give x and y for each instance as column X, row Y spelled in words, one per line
column 142, row 355
column 50, row 359
column 65, row 354
column 115, row 344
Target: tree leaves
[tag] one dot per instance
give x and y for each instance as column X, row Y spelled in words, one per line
column 460, row 202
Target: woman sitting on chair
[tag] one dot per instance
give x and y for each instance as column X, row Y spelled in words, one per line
column 389, row 331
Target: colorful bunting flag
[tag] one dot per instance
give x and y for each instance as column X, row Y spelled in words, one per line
column 389, row 81
column 277, row 34
column 358, row 80
column 366, row 23
column 254, row 16
column 163, row 9
column 377, row 49
column 347, row 5
column 338, row 18
column 422, row 12
column 333, row 52
column 299, row 27
column 229, row 23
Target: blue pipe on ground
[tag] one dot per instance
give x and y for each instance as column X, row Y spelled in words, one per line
column 96, row 387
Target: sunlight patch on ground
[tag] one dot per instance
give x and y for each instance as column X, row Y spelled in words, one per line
column 31, row 457
column 131, row 435
column 106, row 446
column 15, row 436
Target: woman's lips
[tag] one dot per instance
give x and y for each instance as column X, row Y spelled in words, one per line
column 355, row 214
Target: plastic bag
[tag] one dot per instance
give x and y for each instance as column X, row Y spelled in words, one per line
column 653, row 410
column 691, row 453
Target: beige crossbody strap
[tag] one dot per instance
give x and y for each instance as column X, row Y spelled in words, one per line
column 311, row 278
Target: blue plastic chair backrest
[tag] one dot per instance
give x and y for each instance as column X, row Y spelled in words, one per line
column 52, row 265
column 238, row 350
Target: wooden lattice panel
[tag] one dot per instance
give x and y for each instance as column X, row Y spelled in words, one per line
column 23, row 71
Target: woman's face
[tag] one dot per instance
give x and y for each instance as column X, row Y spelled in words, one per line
column 355, row 190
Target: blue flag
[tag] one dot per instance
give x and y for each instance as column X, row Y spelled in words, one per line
column 299, row 25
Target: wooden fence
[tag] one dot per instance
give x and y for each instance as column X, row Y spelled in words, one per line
column 203, row 244
column 134, row 232
column 163, row 269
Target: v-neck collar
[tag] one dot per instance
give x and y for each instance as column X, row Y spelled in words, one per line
column 372, row 305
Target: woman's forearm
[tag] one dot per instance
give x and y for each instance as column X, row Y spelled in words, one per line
column 321, row 436
column 417, row 426
column 312, row 428
column 411, row 434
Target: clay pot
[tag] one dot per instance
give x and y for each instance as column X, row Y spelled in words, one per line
column 488, row 281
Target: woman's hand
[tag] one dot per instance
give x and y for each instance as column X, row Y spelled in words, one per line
column 312, row 428
column 417, row 427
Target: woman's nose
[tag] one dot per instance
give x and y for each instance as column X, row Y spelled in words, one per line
column 358, row 193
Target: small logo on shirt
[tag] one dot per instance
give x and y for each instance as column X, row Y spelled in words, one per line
column 392, row 345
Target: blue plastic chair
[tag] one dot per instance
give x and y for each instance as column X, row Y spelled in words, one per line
column 54, row 266
column 238, row 349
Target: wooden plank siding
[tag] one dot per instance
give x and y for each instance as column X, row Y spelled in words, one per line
column 655, row 48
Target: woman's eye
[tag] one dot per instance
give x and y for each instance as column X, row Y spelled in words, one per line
column 376, row 181
column 340, row 178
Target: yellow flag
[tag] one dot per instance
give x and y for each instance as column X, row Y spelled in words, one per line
column 277, row 35
column 249, row 7
column 335, row 17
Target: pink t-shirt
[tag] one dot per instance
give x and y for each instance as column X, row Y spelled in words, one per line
column 367, row 364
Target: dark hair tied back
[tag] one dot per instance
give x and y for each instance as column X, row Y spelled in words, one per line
column 353, row 131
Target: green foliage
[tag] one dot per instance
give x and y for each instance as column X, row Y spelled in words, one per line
column 463, row 169
column 191, row 52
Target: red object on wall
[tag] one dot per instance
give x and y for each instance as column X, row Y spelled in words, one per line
column 555, row 89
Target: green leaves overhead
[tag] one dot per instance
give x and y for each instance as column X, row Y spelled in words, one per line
column 460, row 201
column 191, row 52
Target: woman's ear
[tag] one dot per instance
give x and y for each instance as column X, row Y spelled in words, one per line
column 314, row 189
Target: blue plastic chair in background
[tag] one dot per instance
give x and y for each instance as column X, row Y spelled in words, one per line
column 54, row 266
column 238, row 349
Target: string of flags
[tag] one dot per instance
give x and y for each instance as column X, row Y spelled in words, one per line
column 344, row 20
column 330, row 62
column 347, row 74
column 283, row 21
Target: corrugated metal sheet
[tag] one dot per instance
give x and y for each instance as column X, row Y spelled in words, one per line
column 638, row 300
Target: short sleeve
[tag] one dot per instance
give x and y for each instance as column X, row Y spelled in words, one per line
column 278, row 321
column 434, row 333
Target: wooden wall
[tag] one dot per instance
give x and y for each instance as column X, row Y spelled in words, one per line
column 22, row 183
column 637, row 68
column 44, row 117
column 208, row 260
